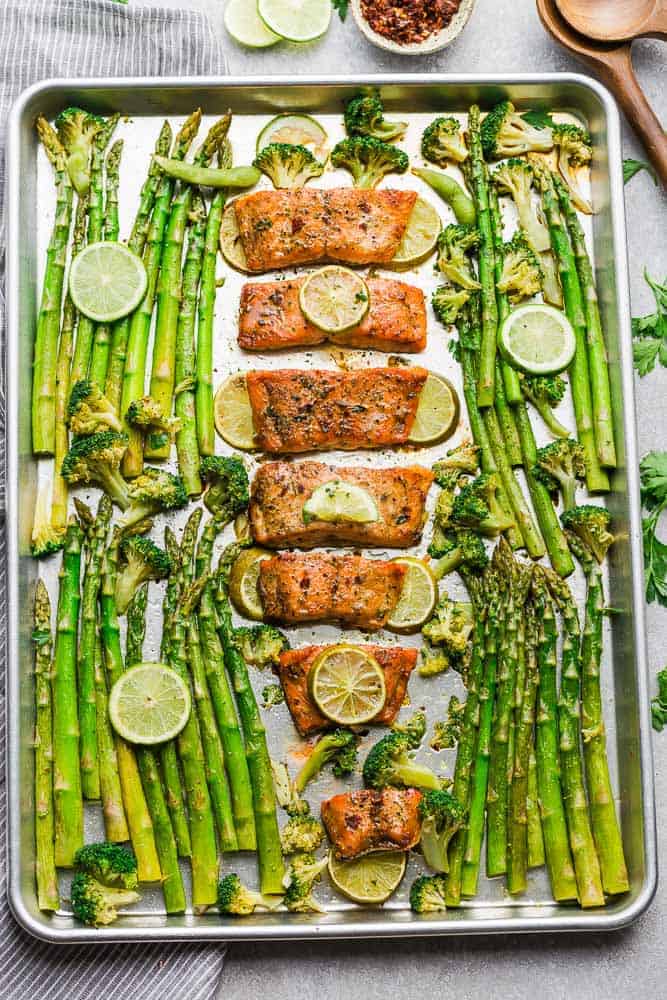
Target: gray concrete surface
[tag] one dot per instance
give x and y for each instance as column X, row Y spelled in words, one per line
column 502, row 36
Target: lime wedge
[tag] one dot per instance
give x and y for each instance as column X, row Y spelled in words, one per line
column 347, row 685
column 296, row 20
column 370, row 879
column 340, row 502
column 420, row 236
column 437, row 412
column 232, row 413
column 295, row 130
column 230, row 240
column 418, row 597
column 537, row 339
column 149, row 704
column 334, row 299
column 246, row 26
column 107, row 281
column 244, row 583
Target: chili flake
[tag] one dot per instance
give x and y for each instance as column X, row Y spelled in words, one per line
column 408, row 22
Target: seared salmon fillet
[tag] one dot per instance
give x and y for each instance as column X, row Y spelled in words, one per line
column 295, row 665
column 280, row 490
column 352, row 226
column 295, row 410
column 370, row 820
column 270, row 318
column 321, row 587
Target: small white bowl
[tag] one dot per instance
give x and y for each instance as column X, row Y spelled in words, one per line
column 433, row 43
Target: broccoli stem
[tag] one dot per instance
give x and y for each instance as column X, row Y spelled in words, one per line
column 518, row 827
column 99, row 359
column 556, row 843
column 510, row 377
column 597, row 479
column 111, row 794
column 134, row 373
column 598, row 364
column 147, row 760
column 45, row 863
column 114, row 380
column 66, row 773
column 535, row 836
column 48, row 320
column 548, row 416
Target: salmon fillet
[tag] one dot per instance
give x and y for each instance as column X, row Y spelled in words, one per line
column 295, row 410
column 270, row 318
column 321, row 587
column 295, row 665
column 280, row 490
column 370, row 820
column 285, row 228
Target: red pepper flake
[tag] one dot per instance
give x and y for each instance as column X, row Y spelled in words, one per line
column 408, row 22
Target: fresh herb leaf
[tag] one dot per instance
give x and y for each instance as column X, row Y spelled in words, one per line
column 645, row 354
column 632, row 167
column 659, row 703
column 650, row 345
column 653, row 479
column 540, row 119
column 341, row 6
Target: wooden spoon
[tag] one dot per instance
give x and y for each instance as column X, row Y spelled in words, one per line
column 616, row 20
column 613, row 64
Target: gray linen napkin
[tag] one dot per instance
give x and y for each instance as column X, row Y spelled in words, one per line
column 73, row 38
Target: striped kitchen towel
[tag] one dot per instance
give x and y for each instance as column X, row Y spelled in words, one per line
column 73, row 38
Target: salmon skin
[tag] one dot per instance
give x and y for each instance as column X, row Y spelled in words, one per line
column 347, row 225
column 270, row 318
column 280, row 489
column 370, row 820
column 297, row 588
column 295, row 665
column 295, row 410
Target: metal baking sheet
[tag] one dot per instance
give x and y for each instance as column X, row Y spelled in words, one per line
column 254, row 101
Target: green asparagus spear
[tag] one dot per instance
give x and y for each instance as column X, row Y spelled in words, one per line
column 113, row 811
column 45, row 863
column 99, row 361
column 535, row 836
column 510, row 376
column 517, row 840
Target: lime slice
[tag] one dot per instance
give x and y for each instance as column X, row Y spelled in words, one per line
column 418, row 597
column 107, row 281
column 244, row 583
column 370, row 879
column 334, row 298
column 295, row 130
column 437, row 411
column 246, row 26
column 340, row 502
column 149, row 704
column 537, row 339
column 296, row 20
column 420, row 236
column 230, row 240
column 233, row 414
column 347, row 685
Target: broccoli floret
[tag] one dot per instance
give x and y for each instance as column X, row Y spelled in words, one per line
column 442, row 513
column 142, row 560
column 340, row 746
column 450, row 626
column 368, row 160
column 454, row 243
column 77, row 130
column 45, row 539
column 287, row 796
column 413, row 728
column 110, row 864
column 559, row 466
column 228, row 490
column 545, row 392
column 96, row 460
column 442, row 815
column 154, row 491
column 427, row 894
column 434, row 660
column 364, row 115
column 147, row 415
column 260, row 645
column 448, row 302
column 591, row 525
column 304, row 872
column 272, row 695
column 464, row 458
column 288, row 165
column 237, row 900
column 515, row 177
column 97, row 904
column 89, row 410
column 447, row 733
column 573, row 145
column 504, row 132
column 301, row 834
column 456, row 549
column 442, row 142
column 521, row 275
column 477, row 506
column 389, row 763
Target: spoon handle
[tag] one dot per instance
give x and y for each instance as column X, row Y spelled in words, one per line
column 641, row 116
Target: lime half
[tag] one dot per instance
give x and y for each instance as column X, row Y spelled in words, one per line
column 230, row 240
column 107, row 281
column 437, row 411
column 420, row 236
column 347, row 685
column 418, row 597
column 296, row 20
column 149, row 704
column 246, row 26
column 244, row 583
column 370, row 879
column 295, row 130
column 340, row 502
column 232, row 413
column 334, row 299
column 537, row 339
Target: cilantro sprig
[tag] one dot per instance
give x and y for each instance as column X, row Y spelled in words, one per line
column 650, row 332
column 653, row 478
